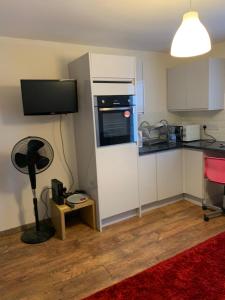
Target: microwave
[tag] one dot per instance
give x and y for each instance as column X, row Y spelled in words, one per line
column 191, row 132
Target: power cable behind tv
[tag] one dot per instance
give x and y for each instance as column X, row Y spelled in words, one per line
column 64, row 155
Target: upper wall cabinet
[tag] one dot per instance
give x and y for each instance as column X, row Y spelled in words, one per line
column 198, row 85
column 112, row 66
column 176, row 88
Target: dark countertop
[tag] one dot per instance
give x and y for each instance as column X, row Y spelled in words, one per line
column 199, row 145
column 159, row 147
column 206, row 145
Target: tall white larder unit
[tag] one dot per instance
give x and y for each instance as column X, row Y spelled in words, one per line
column 109, row 173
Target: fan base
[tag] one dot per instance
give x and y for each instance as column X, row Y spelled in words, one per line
column 32, row 236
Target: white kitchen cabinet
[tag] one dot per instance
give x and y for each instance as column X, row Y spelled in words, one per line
column 112, row 66
column 176, row 88
column 147, row 179
column 113, row 89
column 193, row 180
column 117, row 177
column 197, row 85
column 108, row 174
column 169, row 173
column 140, row 94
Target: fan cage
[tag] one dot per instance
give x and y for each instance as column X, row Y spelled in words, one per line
column 21, row 147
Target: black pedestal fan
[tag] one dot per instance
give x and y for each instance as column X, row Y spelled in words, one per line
column 33, row 155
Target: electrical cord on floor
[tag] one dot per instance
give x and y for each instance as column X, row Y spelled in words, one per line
column 44, row 201
column 211, row 139
column 64, row 155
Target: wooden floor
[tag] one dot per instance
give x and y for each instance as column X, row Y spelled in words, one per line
column 88, row 260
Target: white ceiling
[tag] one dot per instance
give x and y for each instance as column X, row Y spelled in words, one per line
column 134, row 24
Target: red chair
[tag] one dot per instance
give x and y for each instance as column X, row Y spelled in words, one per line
column 214, row 172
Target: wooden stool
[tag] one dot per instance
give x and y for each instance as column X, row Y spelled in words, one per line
column 87, row 214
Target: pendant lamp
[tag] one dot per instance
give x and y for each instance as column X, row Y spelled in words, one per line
column 191, row 38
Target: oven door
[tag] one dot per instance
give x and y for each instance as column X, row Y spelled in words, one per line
column 114, row 125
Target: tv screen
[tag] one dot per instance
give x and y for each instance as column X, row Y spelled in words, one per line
column 47, row 97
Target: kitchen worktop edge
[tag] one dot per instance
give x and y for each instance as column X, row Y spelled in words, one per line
column 198, row 145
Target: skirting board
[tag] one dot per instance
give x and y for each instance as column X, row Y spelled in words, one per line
column 148, row 207
column 192, row 199
column 122, row 216
column 19, row 228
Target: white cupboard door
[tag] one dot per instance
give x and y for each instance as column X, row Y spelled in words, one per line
column 198, row 85
column 176, row 88
column 147, row 179
column 216, row 83
column 140, row 87
column 117, row 179
column 193, row 173
column 113, row 66
column 169, row 174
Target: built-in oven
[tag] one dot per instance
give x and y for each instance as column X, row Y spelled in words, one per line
column 114, row 119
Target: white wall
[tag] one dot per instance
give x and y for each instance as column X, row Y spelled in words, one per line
column 28, row 59
column 21, row 58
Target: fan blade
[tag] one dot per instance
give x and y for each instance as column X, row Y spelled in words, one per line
column 34, row 145
column 21, row 160
column 42, row 162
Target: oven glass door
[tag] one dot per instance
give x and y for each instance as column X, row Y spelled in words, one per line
column 115, row 125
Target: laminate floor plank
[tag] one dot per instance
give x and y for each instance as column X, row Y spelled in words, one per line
column 89, row 260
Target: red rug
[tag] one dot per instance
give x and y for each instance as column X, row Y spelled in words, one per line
column 195, row 274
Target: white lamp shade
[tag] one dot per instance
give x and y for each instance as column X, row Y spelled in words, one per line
column 191, row 38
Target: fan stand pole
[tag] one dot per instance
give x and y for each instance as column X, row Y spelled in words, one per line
column 37, row 223
column 41, row 232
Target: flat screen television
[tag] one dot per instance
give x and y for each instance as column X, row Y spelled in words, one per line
column 48, row 97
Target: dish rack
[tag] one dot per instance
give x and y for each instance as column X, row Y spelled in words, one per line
column 154, row 134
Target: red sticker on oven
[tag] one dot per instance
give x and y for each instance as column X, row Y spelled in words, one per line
column 126, row 114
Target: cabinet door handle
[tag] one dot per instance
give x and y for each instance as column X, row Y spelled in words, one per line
column 114, row 108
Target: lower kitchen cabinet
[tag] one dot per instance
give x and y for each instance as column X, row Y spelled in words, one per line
column 193, row 179
column 169, row 173
column 147, row 179
column 117, row 179
column 160, row 176
column 125, row 184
